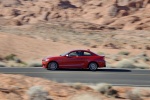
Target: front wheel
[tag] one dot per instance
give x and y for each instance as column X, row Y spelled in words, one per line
column 52, row 66
column 93, row 66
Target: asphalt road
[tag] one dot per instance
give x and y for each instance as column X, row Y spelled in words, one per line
column 107, row 75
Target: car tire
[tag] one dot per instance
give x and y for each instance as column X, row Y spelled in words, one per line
column 93, row 66
column 52, row 66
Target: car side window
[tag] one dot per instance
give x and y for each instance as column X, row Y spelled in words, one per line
column 87, row 54
column 73, row 54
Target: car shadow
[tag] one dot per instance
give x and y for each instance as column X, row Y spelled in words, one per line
column 98, row 70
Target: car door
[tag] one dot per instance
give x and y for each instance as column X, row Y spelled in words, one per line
column 85, row 58
column 72, row 60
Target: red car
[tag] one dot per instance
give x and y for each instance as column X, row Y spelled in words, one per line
column 79, row 59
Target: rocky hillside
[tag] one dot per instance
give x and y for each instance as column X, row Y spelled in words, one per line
column 19, row 87
column 33, row 29
column 88, row 14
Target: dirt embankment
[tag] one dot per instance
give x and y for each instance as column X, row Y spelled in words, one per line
column 19, row 87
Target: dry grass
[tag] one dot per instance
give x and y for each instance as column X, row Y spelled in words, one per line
column 125, row 63
column 77, row 86
column 38, row 93
column 134, row 94
column 124, row 53
column 135, row 62
column 106, row 89
column 2, row 64
column 85, row 97
column 34, row 64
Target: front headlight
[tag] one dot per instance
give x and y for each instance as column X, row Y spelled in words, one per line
column 46, row 59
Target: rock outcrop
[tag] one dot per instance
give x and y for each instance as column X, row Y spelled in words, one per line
column 114, row 13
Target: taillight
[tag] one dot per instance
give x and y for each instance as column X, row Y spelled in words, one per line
column 102, row 57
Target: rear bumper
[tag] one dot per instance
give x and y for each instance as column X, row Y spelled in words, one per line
column 102, row 64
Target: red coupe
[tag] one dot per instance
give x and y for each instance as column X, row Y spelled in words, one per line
column 76, row 59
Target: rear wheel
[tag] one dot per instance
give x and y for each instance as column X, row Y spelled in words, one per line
column 52, row 66
column 93, row 66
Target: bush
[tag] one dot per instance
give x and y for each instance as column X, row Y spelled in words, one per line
column 76, row 86
column 2, row 64
column 13, row 57
column 124, row 53
column 125, row 63
column 146, row 59
column 66, row 5
column 101, row 53
column 37, row 93
column 134, row 94
column 85, row 97
column 113, row 11
column 142, row 66
column 35, row 64
column 10, row 57
column 116, row 58
column 103, row 88
column 142, row 55
column 106, row 89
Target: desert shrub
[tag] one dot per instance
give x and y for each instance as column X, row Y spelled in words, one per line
column 9, row 3
column 142, row 55
column 37, row 93
column 124, row 53
column 94, row 46
column 66, row 5
column 146, row 58
column 103, row 88
column 76, row 86
column 135, row 59
column 147, row 47
column 106, row 89
column 35, row 64
column 85, row 97
column 10, row 57
column 101, row 53
column 116, row 58
column 1, row 58
column 2, row 64
column 142, row 65
column 113, row 10
column 125, row 63
column 134, row 94
column 13, row 57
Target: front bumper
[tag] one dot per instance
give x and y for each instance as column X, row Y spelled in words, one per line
column 44, row 64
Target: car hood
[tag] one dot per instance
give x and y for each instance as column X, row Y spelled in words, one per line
column 48, row 57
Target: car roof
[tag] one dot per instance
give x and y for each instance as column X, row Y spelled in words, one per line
column 81, row 50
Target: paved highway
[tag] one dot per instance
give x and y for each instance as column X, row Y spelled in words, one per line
column 107, row 75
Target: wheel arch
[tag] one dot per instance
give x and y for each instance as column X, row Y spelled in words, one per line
column 52, row 61
column 93, row 62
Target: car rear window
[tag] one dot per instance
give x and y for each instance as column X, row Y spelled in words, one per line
column 87, row 54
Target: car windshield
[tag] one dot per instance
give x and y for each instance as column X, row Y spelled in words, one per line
column 64, row 54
